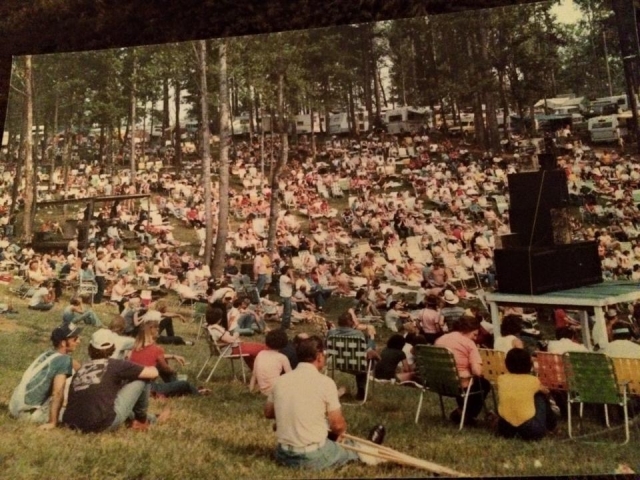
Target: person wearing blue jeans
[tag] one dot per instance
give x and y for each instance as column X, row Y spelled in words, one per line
column 98, row 401
column 303, row 403
column 260, row 269
column 75, row 313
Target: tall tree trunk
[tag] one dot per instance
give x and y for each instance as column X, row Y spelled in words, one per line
column 313, row 134
column 56, row 108
column 27, row 151
column 252, row 126
column 366, row 74
column 166, row 122
column 352, row 109
column 277, row 168
column 504, row 104
column 132, row 114
column 376, row 89
column 177, row 135
column 218, row 261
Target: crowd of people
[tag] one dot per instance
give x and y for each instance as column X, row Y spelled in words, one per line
column 408, row 258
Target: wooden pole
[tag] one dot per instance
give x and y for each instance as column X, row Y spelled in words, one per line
column 391, row 455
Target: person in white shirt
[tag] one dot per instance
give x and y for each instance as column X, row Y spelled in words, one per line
column 567, row 342
column 304, row 403
column 270, row 363
column 286, row 292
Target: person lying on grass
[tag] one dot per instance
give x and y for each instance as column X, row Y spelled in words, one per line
column 106, row 392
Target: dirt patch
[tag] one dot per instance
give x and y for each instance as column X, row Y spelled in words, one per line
column 10, row 326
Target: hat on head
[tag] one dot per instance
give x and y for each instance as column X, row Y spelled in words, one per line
column 69, row 330
column 261, row 250
column 102, row 339
column 612, row 312
column 450, row 297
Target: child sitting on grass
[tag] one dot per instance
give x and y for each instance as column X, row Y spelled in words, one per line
column 523, row 407
column 270, row 363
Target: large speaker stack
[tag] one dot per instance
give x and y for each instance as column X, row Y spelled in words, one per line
column 538, row 256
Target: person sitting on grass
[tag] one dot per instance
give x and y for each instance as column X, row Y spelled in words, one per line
column 121, row 292
column 301, row 300
column 523, row 406
column 39, row 396
column 148, row 353
column 393, row 364
column 251, row 317
column 270, row 363
column 123, row 343
column 76, row 313
column 42, row 298
column 105, row 392
column 395, row 316
column 160, row 313
column 303, row 403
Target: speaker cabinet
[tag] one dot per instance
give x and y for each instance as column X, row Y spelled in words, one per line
column 549, row 188
column 532, row 230
column 539, row 270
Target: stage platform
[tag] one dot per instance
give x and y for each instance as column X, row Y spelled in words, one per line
column 599, row 296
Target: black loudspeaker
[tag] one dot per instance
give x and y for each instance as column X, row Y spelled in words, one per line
column 547, row 161
column 533, row 271
column 544, row 189
column 510, row 240
column 532, row 229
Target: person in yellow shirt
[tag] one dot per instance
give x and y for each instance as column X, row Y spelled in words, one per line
column 523, row 406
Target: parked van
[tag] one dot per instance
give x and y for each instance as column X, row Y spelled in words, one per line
column 604, row 128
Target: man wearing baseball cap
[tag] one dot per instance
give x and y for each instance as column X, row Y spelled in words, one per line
column 105, row 391
column 39, row 396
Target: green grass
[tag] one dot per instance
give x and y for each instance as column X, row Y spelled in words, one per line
column 224, row 435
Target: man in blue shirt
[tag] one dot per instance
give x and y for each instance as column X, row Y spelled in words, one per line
column 39, row 396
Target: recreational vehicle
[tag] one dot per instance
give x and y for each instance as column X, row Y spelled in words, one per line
column 339, row 122
column 241, row 125
column 405, row 119
column 303, row 123
column 604, row 128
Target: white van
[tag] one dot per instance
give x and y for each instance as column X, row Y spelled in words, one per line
column 604, row 128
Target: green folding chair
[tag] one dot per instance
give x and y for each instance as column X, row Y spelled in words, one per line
column 199, row 315
column 437, row 370
column 349, row 355
column 591, row 378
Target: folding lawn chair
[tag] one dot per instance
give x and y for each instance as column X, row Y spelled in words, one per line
column 591, row 378
column 437, row 370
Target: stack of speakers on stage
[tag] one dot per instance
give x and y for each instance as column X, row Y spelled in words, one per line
column 538, row 256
